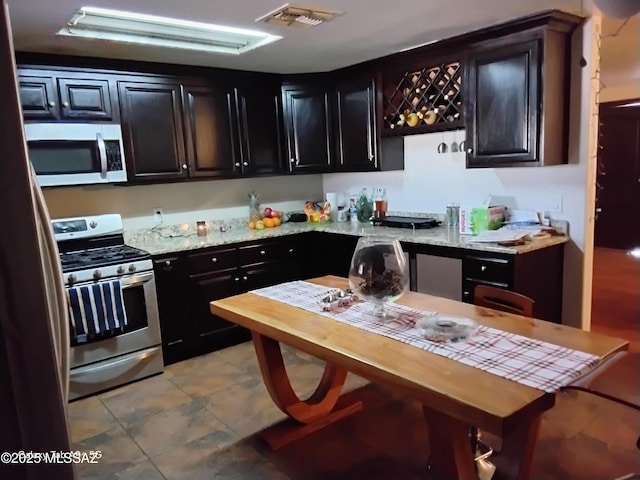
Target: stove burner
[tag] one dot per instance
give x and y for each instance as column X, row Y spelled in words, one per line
column 100, row 257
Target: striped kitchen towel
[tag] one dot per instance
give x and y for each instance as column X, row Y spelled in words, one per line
column 95, row 308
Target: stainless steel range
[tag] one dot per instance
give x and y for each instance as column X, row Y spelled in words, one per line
column 93, row 255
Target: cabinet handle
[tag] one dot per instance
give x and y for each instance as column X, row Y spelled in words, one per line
column 291, row 250
column 214, row 259
column 237, row 279
column 237, row 164
column 469, row 150
column 52, row 104
column 184, row 166
column 371, row 158
column 465, row 293
column 483, row 268
column 246, row 164
column 245, row 278
column 293, row 160
column 167, row 263
column 262, row 252
column 65, row 104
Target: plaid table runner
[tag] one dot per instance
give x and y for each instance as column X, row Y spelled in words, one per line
column 530, row 362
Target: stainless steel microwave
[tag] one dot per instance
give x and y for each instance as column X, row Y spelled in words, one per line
column 76, row 153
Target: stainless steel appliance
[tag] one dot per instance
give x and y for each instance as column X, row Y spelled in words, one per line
column 76, row 153
column 92, row 251
column 34, row 345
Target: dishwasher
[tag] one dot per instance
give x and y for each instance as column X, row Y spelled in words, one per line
column 434, row 275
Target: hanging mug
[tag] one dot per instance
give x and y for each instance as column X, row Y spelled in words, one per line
column 442, row 148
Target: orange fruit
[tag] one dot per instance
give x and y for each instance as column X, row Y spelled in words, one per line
column 252, row 225
column 268, row 222
column 277, row 222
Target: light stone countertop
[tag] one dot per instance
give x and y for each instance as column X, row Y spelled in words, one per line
column 159, row 242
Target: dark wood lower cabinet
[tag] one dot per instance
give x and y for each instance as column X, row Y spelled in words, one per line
column 186, row 282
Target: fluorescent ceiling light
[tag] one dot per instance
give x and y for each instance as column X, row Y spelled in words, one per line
column 632, row 104
column 119, row 26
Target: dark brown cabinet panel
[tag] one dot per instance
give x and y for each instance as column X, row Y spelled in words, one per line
column 212, row 147
column 503, row 114
column 308, row 129
column 171, row 289
column 356, row 127
column 259, row 124
column 152, row 130
column 86, row 99
column 38, row 97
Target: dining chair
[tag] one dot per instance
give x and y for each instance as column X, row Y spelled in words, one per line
column 503, row 300
column 616, row 379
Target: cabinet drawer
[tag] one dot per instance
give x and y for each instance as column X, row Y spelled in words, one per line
column 468, row 288
column 487, row 269
column 212, row 260
column 262, row 252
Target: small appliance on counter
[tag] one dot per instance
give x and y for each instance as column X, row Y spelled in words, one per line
column 407, row 222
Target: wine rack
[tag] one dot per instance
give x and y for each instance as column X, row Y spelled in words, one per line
column 423, row 100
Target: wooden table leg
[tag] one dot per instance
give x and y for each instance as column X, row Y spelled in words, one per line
column 320, row 409
column 517, row 450
column 451, row 455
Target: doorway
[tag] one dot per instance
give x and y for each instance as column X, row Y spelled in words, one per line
column 616, row 272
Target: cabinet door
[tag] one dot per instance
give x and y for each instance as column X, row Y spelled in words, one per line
column 259, row 125
column 355, row 115
column 38, row 98
column 207, row 287
column 82, row 99
column 307, row 118
column 172, row 305
column 212, row 145
column 503, row 114
column 152, row 129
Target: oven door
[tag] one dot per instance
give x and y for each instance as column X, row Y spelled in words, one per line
column 75, row 154
column 142, row 330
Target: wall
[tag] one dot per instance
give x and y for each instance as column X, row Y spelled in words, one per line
column 183, row 202
column 620, row 92
column 431, row 180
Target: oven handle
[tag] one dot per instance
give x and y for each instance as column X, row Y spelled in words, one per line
column 135, row 280
column 102, row 150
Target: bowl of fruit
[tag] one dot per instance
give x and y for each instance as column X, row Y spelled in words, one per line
column 270, row 219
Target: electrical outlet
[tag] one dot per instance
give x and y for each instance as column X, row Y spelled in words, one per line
column 158, row 215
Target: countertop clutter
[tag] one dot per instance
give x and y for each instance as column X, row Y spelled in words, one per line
column 165, row 240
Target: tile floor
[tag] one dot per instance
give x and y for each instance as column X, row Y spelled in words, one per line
column 196, row 421
column 191, row 422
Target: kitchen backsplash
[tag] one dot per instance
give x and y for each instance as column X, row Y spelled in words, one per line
column 183, row 202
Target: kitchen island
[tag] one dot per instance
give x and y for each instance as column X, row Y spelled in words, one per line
column 192, row 270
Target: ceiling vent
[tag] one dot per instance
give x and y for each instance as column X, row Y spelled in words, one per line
column 298, row 16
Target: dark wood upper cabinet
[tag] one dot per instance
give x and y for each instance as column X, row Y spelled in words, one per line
column 355, row 126
column 308, row 129
column 152, row 131
column 259, row 123
column 86, row 99
column 212, row 146
column 503, row 105
column 38, row 97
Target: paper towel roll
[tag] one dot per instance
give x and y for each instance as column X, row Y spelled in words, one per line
column 332, row 198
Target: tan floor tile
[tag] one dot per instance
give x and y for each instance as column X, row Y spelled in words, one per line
column 173, row 428
column 245, row 407
column 142, row 471
column 142, row 399
column 87, row 418
column 119, row 453
column 204, row 459
column 242, row 356
column 205, row 375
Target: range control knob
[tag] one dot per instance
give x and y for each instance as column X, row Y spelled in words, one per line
column 97, row 274
column 72, row 278
column 120, row 270
column 93, row 224
column 132, row 268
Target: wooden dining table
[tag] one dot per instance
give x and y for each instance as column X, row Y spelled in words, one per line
column 454, row 396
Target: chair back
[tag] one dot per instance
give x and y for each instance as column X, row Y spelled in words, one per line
column 503, row 300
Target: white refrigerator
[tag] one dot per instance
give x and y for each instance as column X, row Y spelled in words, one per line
column 34, row 337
